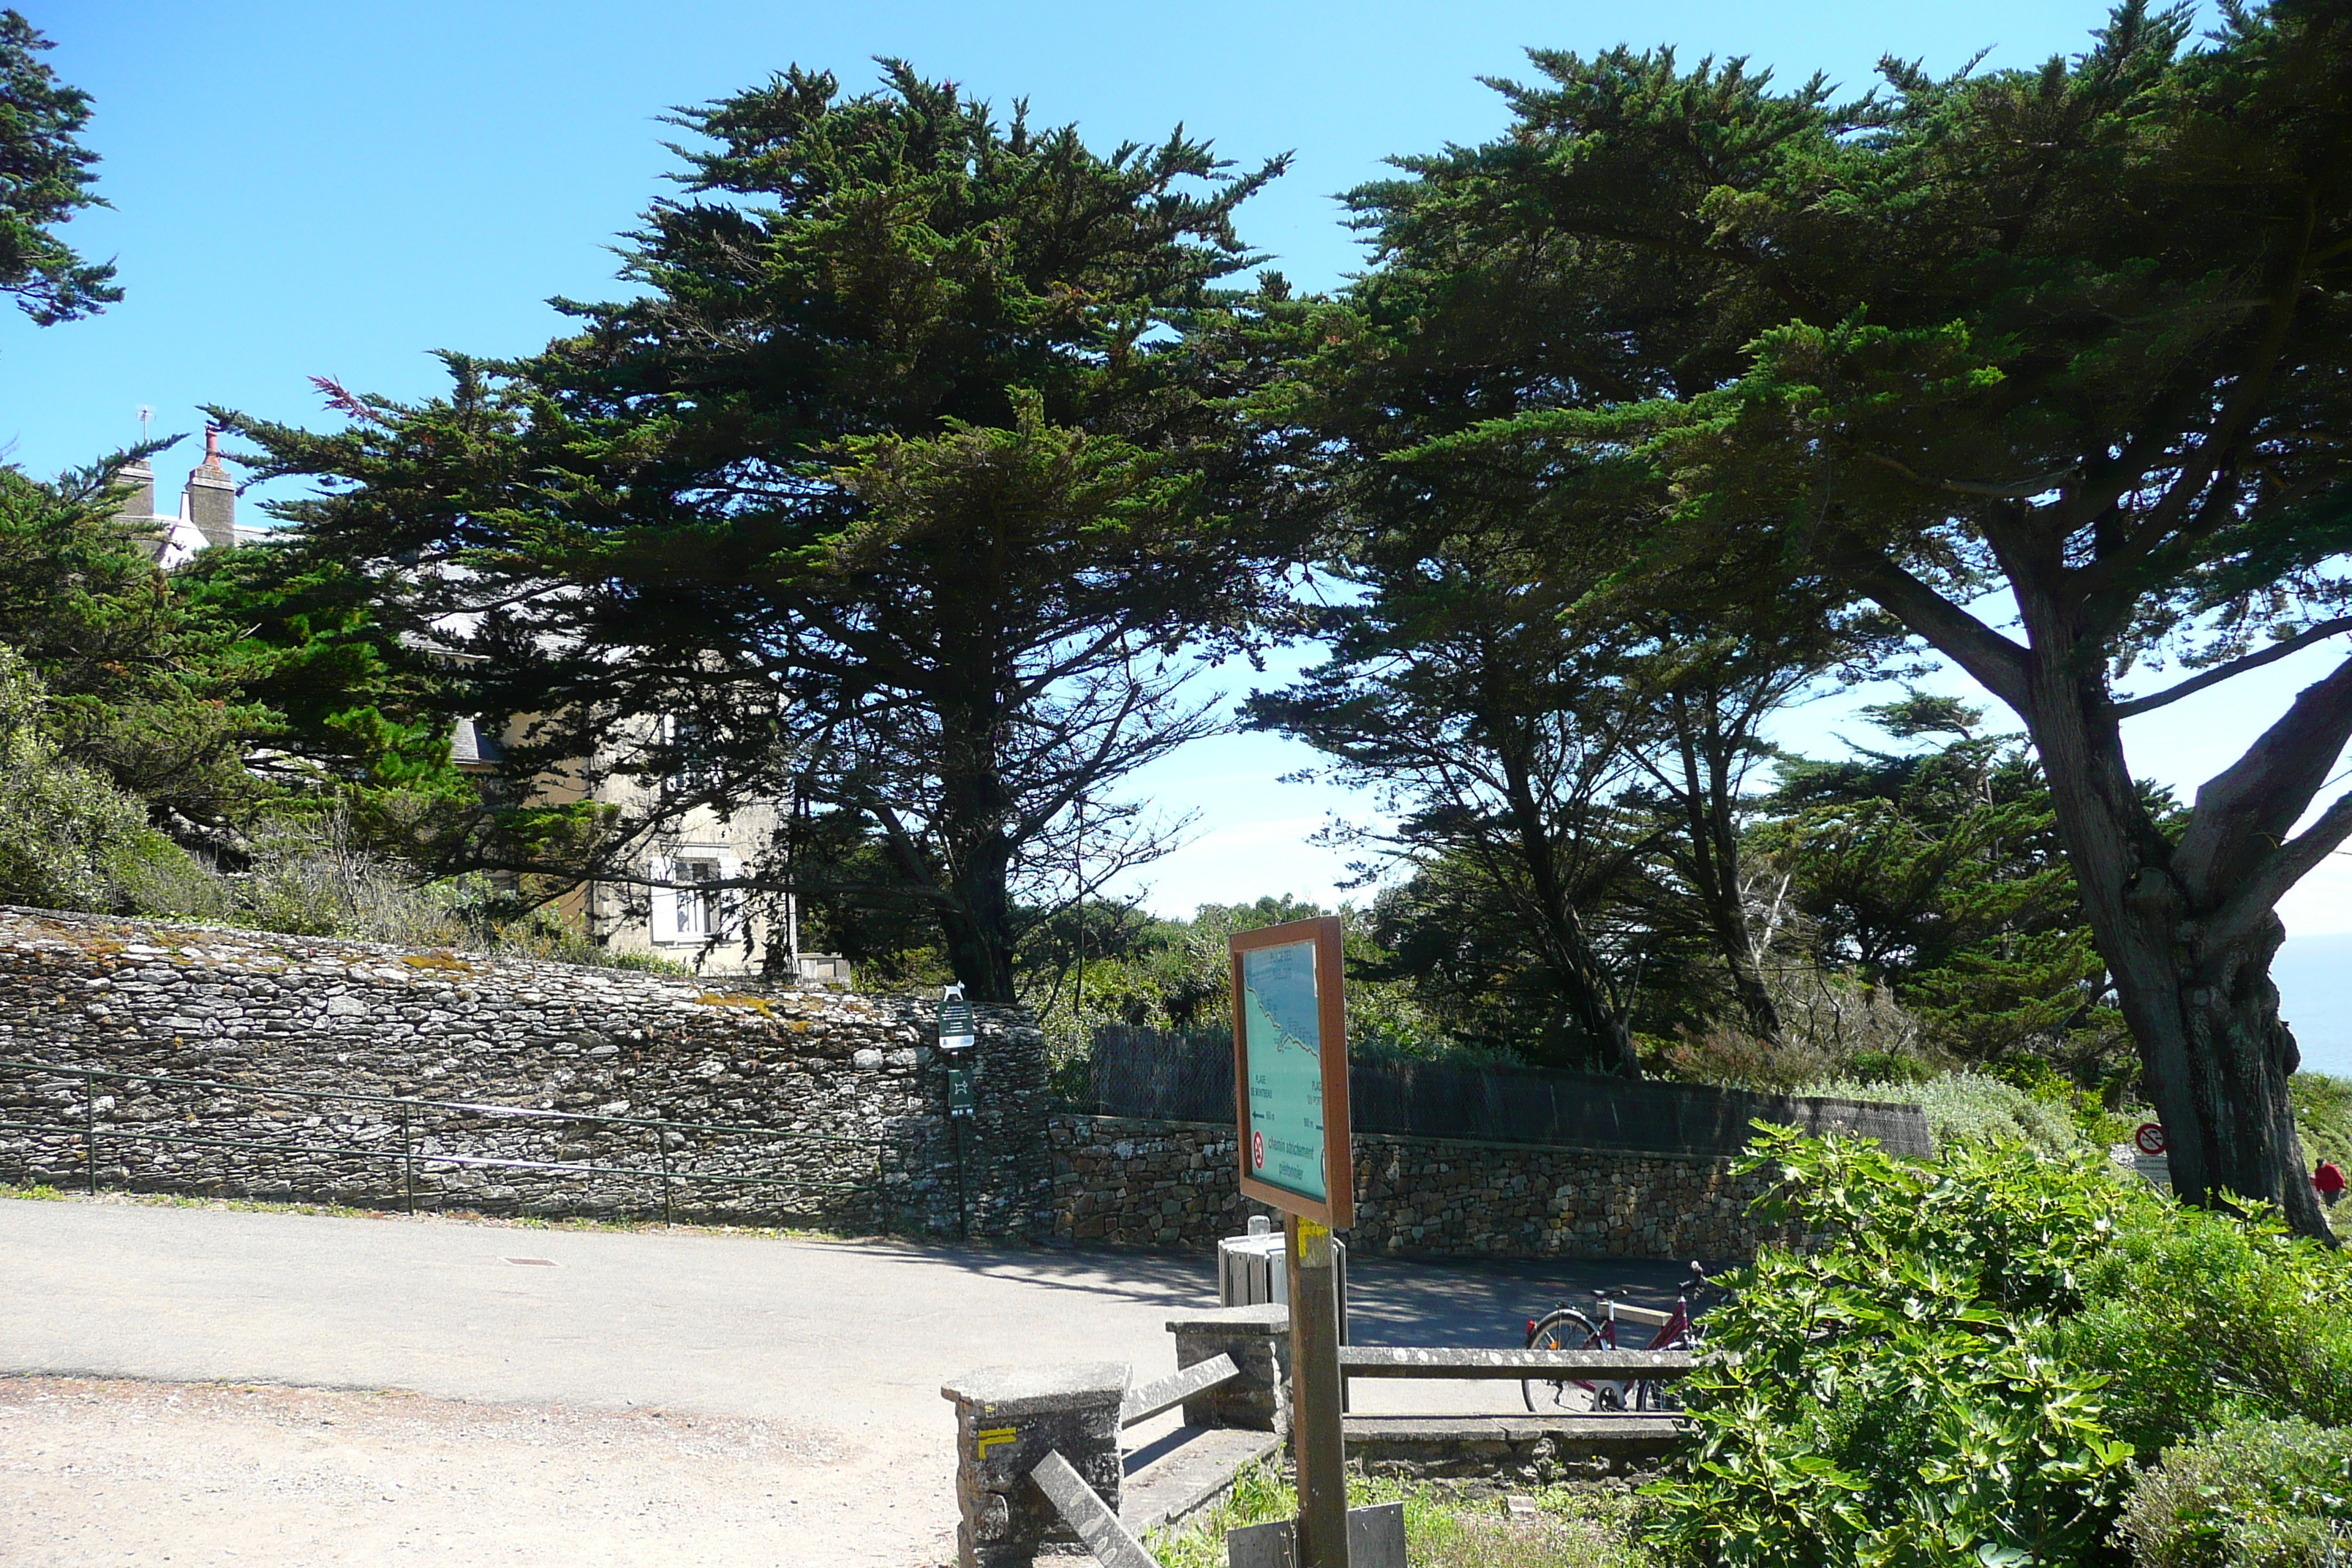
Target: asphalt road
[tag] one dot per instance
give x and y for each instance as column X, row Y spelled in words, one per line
column 838, row 1349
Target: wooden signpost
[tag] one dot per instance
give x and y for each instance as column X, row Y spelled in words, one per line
column 1290, row 1103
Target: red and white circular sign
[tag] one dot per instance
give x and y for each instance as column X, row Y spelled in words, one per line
column 1257, row 1151
column 2149, row 1139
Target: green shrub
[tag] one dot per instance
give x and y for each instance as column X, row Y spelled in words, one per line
column 69, row 838
column 1968, row 1106
column 1882, row 1399
column 2252, row 1494
column 2195, row 1317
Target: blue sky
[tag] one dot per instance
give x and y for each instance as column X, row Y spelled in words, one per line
column 306, row 189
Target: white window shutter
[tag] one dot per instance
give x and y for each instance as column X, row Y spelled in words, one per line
column 665, row 900
column 731, row 902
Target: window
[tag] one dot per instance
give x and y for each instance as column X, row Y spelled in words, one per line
column 686, row 740
column 689, row 904
column 699, row 912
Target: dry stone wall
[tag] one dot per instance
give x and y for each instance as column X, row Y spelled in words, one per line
column 812, row 1105
column 1126, row 1183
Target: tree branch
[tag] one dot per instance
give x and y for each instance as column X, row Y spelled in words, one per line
column 2016, row 490
column 1997, row 663
column 2280, row 870
column 2222, row 672
column 2244, row 811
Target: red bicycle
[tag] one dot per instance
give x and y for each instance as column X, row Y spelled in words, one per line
column 1565, row 1329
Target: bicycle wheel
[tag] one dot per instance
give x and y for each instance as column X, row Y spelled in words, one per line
column 1565, row 1329
column 1657, row 1395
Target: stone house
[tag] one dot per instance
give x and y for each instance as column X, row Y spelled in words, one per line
column 680, row 909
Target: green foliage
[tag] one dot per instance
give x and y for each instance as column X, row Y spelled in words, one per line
column 1882, row 1400
column 129, row 688
column 48, row 178
column 69, row 838
column 1962, row 1365
column 2206, row 1316
column 1575, row 1527
column 1973, row 1108
column 1938, row 872
column 321, row 643
column 1176, row 975
column 2249, row 1494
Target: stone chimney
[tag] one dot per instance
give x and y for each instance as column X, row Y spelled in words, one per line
column 139, row 507
column 211, row 495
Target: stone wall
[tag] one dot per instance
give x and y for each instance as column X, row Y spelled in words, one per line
column 1124, row 1182
column 813, row 1105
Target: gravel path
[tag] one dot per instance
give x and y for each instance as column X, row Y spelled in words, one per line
column 112, row 1471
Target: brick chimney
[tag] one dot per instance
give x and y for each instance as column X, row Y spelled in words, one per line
column 211, row 495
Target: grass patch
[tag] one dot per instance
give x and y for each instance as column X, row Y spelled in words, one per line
column 1574, row 1526
column 2323, row 1115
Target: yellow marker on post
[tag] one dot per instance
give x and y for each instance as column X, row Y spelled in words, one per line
column 995, row 1437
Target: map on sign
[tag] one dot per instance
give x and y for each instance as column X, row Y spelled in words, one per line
column 1282, row 1021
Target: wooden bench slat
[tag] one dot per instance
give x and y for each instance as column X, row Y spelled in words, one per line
column 1172, row 1391
column 1086, row 1513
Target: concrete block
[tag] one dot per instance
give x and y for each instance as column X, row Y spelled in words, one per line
column 1008, row 1420
column 1258, row 1341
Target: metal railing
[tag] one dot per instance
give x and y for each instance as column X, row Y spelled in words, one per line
column 410, row 1155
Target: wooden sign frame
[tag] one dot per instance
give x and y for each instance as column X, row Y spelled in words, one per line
column 1336, row 1211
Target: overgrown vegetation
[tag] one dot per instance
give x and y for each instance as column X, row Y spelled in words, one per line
column 2006, row 1358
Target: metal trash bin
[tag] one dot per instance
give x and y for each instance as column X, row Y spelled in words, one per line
column 1250, row 1271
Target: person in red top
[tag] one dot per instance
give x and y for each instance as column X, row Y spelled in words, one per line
column 2330, row 1180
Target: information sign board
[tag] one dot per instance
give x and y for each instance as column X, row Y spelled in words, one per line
column 1290, row 1071
column 956, row 1031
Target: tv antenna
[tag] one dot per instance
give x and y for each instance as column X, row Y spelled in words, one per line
column 146, row 413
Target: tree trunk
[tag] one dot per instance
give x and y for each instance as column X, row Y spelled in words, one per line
column 978, row 929
column 2214, row 1055
column 973, row 812
column 1715, row 862
column 1585, row 988
column 2221, row 1085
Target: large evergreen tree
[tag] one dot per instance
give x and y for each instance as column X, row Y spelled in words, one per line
column 45, row 178
column 1567, row 748
column 2078, row 334
column 894, row 491
column 130, row 674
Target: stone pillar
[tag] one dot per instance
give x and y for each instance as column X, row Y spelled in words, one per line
column 1009, row 1418
column 1258, row 1339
